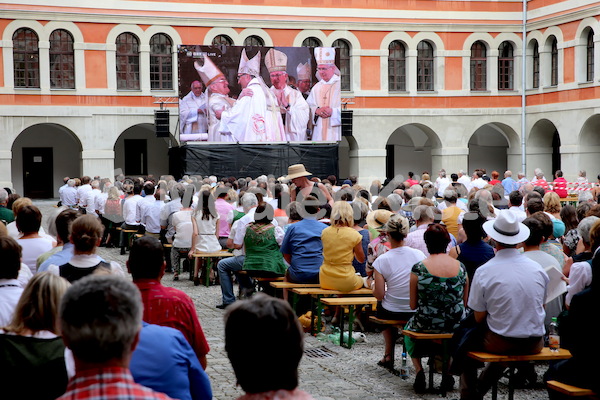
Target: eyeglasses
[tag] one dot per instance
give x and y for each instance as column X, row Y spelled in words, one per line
column 323, row 68
column 277, row 74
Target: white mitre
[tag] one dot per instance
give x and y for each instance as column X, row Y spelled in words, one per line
column 250, row 67
column 325, row 55
column 208, row 72
column 303, row 72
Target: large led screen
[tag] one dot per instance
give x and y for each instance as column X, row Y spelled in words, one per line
column 231, row 94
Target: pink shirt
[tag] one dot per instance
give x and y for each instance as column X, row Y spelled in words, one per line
column 223, row 208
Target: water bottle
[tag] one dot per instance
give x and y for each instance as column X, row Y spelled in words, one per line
column 404, row 368
column 553, row 336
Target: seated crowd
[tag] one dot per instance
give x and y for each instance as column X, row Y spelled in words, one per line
column 434, row 254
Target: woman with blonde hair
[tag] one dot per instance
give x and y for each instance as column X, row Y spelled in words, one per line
column 552, row 204
column 341, row 244
column 32, row 352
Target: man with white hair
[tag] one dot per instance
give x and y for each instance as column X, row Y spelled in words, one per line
column 325, row 97
column 89, row 201
column 441, row 183
column 255, row 117
column 217, row 98
column 235, row 264
column 292, row 106
column 70, row 194
column 522, row 180
column 539, row 179
column 192, row 111
column 463, row 178
column 6, row 215
column 508, row 183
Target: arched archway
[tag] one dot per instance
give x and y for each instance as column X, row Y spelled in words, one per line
column 589, row 146
column 41, row 156
column 348, row 157
column 543, row 148
column 409, row 149
column 488, row 147
column 139, row 152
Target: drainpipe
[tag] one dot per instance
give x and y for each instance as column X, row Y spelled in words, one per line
column 523, row 91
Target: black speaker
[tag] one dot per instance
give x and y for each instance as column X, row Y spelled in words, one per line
column 347, row 123
column 161, row 123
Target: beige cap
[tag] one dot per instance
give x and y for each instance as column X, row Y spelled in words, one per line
column 276, row 60
column 208, row 72
column 251, row 67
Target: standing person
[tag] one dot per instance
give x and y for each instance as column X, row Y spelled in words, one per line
column 183, row 231
column 392, row 282
column 86, row 235
column 217, row 99
column 325, row 97
column 255, row 117
column 439, row 287
column 31, row 349
column 205, row 232
column 292, row 106
column 101, row 346
column 507, row 296
column 341, row 244
column 163, row 305
column 192, row 110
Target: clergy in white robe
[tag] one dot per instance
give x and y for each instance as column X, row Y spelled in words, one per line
column 192, row 111
column 325, row 98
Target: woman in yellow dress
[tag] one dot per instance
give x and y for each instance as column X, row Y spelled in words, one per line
column 341, row 244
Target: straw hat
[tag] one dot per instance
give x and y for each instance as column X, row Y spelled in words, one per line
column 506, row 228
column 296, row 171
column 378, row 218
column 412, row 204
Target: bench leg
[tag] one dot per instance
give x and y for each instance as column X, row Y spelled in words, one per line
column 312, row 316
column 511, row 388
column 319, row 311
column 350, row 325
column 295, row 298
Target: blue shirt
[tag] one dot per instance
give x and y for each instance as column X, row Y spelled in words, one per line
column 59, row 258
column 165, row 362
column 510, row 185
column 302, row 241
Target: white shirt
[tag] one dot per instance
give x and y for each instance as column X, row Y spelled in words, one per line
column 90, row 201
column 580, row 277
column 441, row 184
column 151, row 216
column 69, row 196
column 100, row 202
column 521, row 215
column 130, row 214
column 512, row 289
column 479, row 183
column 10, row 293
column 395, row 266
column 81, row 192
column 32, row 249
column 182, row 222
column 87, row 261
column 465, row 180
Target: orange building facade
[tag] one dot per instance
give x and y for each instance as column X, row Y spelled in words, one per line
column 433, row 84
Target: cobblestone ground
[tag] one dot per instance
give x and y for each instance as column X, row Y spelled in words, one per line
column 349, row 374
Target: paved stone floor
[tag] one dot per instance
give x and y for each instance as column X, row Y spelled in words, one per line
column 349, row 374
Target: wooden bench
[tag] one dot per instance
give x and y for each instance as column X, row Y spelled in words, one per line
column 544, row 355
column 318, row 293
column 571, row 391
column 130, row 235
column 349, row 302
column 440, row 338
column 391, row 323
column 287, row 286
column 210, row 258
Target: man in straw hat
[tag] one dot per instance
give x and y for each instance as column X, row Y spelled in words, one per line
column 217, row 99
column 325, row 97
column 507, row 296
column 292, row 106
column 297, row 173
column 256, row 117
column 192, row 111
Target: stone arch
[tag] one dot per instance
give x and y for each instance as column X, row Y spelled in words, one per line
column 543, row 147
column 138, row 144
column 214, row 32
column 348, row 156
column 589, row 146
column 309, row 33
column 489, row 145
column 29, row 166
column 410, row 147
column 7, row 49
